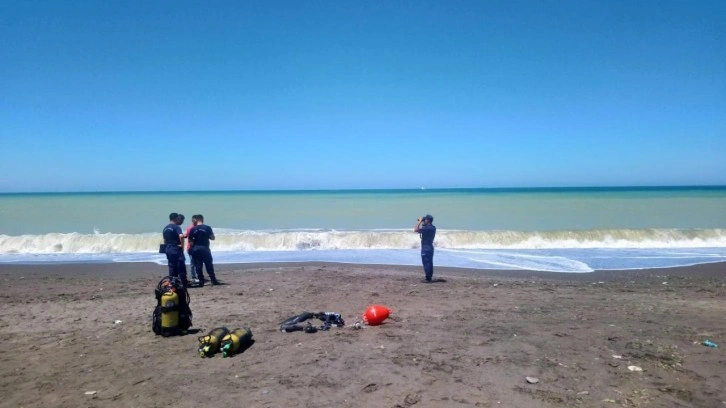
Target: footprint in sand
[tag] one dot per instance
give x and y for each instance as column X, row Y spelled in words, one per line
column 370, row 388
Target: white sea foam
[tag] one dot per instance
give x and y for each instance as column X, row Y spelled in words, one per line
column 305, row 240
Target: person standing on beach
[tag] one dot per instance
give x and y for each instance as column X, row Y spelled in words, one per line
column 192, row 266
column 199, row 238
column 427, row 231
column 174, row 241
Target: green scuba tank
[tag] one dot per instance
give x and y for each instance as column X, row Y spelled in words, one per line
column 232, row 342
column 209, row 344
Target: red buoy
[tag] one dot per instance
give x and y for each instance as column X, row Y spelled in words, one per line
column 376, row 314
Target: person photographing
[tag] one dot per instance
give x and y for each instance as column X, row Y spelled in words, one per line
column 427, row 231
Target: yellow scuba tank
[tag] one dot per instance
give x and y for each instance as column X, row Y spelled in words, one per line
column 209, row 344
column 169, row 312
column 231, row 343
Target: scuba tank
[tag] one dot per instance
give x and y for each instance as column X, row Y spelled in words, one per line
column 172, row 314
column 169, row 313
column 231, row 343
column 209, row 344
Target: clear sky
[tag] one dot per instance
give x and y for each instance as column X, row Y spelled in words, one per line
column 178, row 95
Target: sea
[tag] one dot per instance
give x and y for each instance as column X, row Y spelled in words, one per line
column 575, row 230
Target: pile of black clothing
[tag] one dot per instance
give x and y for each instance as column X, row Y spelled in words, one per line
column 329, row 320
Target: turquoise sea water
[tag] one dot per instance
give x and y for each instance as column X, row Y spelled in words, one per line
column 568, row 229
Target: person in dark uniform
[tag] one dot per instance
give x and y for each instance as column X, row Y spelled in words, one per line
column 427, row 231
column 199, row 238
column 174, row 241
column 192, row 265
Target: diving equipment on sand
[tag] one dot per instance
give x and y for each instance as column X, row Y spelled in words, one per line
column 329, row 319
column 209, row 344
column 232, row 342
column 291, row 324
column 172, row 314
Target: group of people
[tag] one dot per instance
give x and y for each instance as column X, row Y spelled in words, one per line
column 199, row 234
column 197, row 238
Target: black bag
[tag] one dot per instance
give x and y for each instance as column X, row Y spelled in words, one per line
column 162, row 248
column 156, row 320
column 185, row 313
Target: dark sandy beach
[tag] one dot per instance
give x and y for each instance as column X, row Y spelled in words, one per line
column 469, row 341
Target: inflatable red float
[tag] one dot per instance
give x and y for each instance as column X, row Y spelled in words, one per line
column 376, row 314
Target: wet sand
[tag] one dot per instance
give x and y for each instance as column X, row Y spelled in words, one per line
column 469, row 341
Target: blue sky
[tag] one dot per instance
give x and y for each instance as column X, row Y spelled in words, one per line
column 177, row 95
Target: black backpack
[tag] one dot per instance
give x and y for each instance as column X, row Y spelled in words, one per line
column 185, row 312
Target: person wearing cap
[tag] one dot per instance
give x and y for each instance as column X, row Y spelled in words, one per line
column 427, row 231
column 199, row 238
column 174, row 241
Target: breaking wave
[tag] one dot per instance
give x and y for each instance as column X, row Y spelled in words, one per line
column 303, row 240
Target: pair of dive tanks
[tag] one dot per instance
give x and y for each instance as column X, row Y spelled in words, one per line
column 224, row 340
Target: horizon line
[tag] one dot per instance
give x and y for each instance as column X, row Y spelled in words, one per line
column 406, row 189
